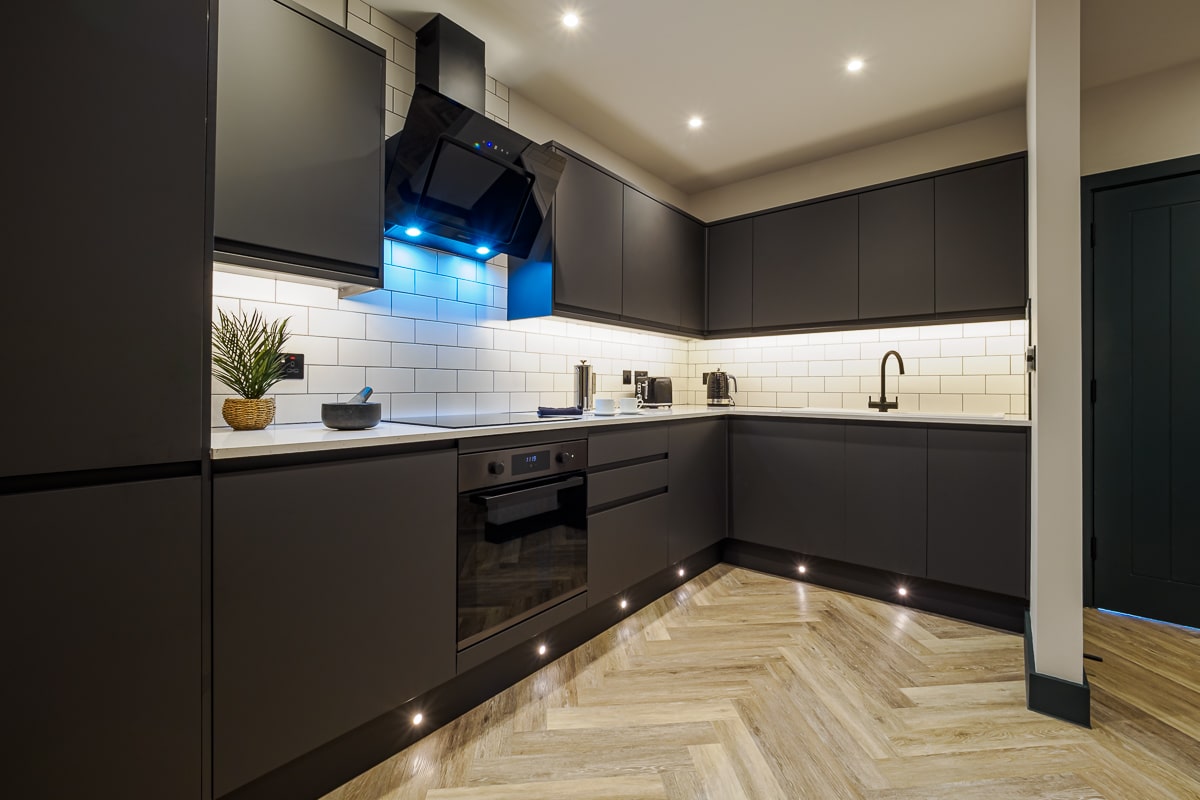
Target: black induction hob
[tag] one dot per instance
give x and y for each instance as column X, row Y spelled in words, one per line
column 478, row 420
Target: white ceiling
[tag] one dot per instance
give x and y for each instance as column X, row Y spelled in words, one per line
column 768, row 76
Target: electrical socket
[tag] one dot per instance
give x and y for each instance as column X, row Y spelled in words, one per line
column 640, row 373
column 626, row 377
column 293, row 366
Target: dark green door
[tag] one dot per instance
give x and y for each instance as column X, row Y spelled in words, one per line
column 1146, row 484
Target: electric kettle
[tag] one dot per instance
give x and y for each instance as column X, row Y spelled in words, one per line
column 718, row 388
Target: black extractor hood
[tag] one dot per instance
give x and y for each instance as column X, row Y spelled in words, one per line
column 456, row 180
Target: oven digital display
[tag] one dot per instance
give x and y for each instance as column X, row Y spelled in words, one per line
column 525, row 463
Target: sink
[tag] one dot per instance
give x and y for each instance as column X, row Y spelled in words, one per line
column 870, row 412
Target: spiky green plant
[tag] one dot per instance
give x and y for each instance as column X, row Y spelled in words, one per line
column 248, row 352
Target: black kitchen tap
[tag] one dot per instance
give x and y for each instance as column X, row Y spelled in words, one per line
column 883, row 404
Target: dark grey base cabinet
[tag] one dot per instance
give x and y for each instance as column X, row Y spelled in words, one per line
column 979, row 509
column 947, row 503
column 333, row 602
column 885, row 497
column 698, row 469
column 788, row 485
column 626, row 545
column 102, row 671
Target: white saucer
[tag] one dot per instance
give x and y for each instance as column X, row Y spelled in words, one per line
column 605, row 413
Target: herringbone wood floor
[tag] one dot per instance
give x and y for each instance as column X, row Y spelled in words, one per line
column 743, row 685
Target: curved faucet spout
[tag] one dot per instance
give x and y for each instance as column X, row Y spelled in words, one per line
column 883, row 404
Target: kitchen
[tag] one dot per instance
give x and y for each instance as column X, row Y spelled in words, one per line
column 443, row 338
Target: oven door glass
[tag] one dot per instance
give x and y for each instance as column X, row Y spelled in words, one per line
column 522, row 548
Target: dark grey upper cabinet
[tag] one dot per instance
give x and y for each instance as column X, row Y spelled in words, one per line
column 806, row 264
column 587, row 239
column 698, row 467
column 885, row 497
column 329, row 609
column 113, row 232
column 103, row 659
column 980, row 238
column 978, row 508
column 689, row 242
column 730, row 280
column 299, row 143
column 895, row 251
column 652, row 253
column 788, row 485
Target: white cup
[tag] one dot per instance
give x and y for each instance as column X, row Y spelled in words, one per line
column 630, row 404
column 606, row 406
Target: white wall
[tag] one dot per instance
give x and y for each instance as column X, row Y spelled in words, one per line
column 1145, row 119
column 1056, row 572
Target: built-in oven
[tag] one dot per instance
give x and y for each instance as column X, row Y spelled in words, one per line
column 522, row 535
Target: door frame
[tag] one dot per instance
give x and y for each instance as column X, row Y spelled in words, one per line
column 1090, row 185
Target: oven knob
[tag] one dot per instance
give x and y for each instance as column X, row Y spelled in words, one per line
column 496, row 467
column 565, row 457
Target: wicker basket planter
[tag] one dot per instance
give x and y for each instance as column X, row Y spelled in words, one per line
column 248, row 415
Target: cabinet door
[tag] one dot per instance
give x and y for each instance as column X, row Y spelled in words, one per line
column 108, row 245
column 730, row 283
column 652, row 253
column 806, row 264
column 587, row 239
column 788, row 485
column 103, row 653
column 626, row 545
column 690, row 270
column 895, row 251
column 885, row 497
column 980, row 238
column 333, row 602
column 978, row 513
column 698, row 469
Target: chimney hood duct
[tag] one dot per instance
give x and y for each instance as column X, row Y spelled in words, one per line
column 456, row 180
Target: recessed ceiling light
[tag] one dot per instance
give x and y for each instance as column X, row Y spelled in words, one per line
column 695, row 122
column 854, row 65
column 570, row 20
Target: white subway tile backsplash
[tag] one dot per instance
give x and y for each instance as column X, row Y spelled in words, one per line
column 456, row 312
column 297, row 316
column 791, row 399
column 1005, row 384
column 825, row 368
column 436, row 380
column 919, row 384
column 964, row 347
column 986, row 365
column 941, row 403
column 414, row 355
column 455, row 358
column 433, row 285
column 509, row 340
column 342, row 324
column 777, row 384
column 808, row 352
column 364, row 353
column 761, row 370
column 457, row 267
column 508, row 381
column 416, row 258
column 963, row 384
column 842, row 384
column 842, row 352
column 808, row 384
column 316, row 349
column 824, row 400
column 939, row 366
column 553, row 364
column 986, row 329
column 244, row 287
column 525, row 362
column 492, row 403
column 390, row 329
column 472, row 292
column 300, row 407
column 985, row 404
column 456, row 403
column 474, row 381
column 539, row 382
column 436, row 332
column 391, row 379
column 413, row 306
column 1005, row 345
column 304, row 294
column 748, row 356
column 415, row 404
column 331, row 380
column 399, row 279
column 941, row 331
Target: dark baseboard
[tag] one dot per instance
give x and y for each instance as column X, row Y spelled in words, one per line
column 1054, row 697
column 972, row 605
column 329, row 766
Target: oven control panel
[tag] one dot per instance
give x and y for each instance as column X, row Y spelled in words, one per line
column 498, row 467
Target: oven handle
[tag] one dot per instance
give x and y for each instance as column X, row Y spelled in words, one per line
column 532, row 493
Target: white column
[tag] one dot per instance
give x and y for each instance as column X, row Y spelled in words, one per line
column 1056, row 577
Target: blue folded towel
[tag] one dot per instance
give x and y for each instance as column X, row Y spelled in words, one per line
column 569, row 411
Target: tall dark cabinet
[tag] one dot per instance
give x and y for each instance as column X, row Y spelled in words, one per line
column 587, row 239
column 108, row 289
column 107, row 246
column 730, row 279
column 895, row 251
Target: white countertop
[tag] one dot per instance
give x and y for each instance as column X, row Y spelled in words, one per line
column 308, row 437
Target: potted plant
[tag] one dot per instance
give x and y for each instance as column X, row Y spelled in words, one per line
column 248, row 358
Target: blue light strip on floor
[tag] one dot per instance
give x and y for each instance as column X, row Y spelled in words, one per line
column 1147, row 619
